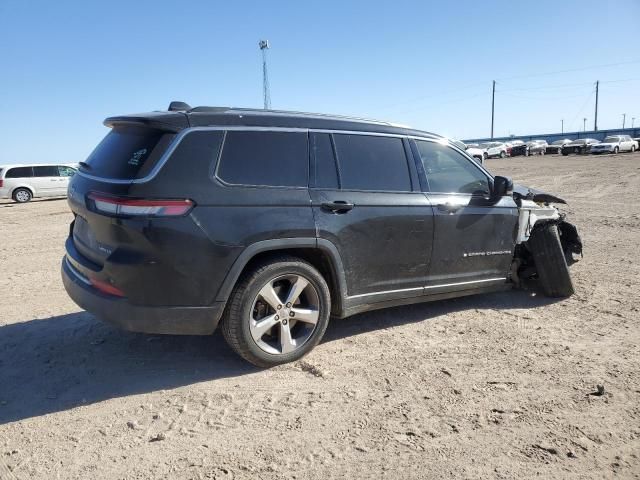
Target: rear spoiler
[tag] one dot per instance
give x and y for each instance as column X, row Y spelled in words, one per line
column 166, row 121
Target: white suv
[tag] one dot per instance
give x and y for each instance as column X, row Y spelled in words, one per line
column 24, row 182
column 495, row 149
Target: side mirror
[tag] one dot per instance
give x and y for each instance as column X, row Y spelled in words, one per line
column 501, row 186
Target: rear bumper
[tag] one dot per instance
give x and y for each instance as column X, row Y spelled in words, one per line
column 136, row 318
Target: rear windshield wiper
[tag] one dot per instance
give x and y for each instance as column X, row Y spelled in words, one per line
column 85, row 165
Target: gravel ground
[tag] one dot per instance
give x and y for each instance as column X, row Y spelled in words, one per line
column 495, row 386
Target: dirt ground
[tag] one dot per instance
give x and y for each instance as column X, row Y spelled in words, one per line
column 495, row 386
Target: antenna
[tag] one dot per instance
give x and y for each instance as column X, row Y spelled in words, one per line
column 264, row 46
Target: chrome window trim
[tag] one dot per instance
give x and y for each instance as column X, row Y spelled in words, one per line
column 426, row 287
column 178, row 138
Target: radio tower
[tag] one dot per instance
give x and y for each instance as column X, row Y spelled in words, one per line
column 264, row 46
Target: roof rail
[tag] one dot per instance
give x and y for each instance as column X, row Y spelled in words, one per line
column 179, row 107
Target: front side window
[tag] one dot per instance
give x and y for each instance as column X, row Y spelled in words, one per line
column 19, row 172
column 47, row 171
column 66, row 171
column 277, row 159
column 448, row 171
column 375, row 163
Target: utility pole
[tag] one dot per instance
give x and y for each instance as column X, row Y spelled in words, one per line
column 624, row 118
column 595, row 121
column 584, row 126
column 562, row 125
column 264, row 46
column 493, row 103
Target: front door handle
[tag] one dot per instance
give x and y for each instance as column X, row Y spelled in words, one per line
column 338, row 206
column 448, row 207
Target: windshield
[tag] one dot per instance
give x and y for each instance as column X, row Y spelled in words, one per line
column 611, row 140
column 127, row 152
column 485, row 145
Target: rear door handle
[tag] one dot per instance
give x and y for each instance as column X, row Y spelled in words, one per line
column 448, row 207
column 338, row 206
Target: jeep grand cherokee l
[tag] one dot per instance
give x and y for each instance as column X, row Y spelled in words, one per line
column 271, row 222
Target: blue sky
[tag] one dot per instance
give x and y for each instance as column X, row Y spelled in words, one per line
column 66, row 65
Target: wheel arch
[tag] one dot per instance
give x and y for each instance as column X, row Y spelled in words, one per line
column 25, row 187
column 320, row 253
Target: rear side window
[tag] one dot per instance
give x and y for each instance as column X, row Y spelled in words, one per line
column 19, row 172
column 47, row 171
column 372, row 163
column 128, row 152
column 277, row 159
column 326, row 170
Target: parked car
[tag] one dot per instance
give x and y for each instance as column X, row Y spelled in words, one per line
column 510, row 145
column 614, row 144
column 24, row 182
column 579, row 146
column 268, row 223
column 556, row 147
column 479, row 154
column 530, row 148
column 495, row 149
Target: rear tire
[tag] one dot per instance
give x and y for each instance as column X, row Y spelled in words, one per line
column 249, row 308
column 502, row 154
column 550, row 261
column 22, row 195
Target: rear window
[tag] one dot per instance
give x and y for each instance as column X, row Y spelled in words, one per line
column 19, row 172
column 277, row 159
column 128, row 152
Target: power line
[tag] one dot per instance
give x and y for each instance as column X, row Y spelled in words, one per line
column 572, row 70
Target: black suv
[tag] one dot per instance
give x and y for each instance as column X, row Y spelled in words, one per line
column 271, row 222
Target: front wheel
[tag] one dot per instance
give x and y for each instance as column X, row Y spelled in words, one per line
column 615, row 150
column 278, row 312
column 550, row 261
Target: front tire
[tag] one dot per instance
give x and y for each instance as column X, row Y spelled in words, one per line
column 22, row 195
column 550, row 261
column 615, row 150
column 278, row 312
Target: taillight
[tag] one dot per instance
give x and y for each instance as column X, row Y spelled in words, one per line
column 142, row 208
column 1, row 183
column 105, row 287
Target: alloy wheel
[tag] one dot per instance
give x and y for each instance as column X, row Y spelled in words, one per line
column 23, row 196
column 284, row 314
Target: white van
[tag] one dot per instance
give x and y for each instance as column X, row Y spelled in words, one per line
column 24, row 182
